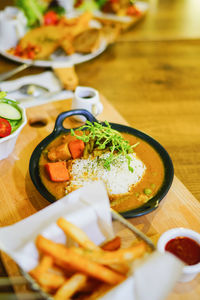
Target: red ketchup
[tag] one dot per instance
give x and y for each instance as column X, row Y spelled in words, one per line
column 184, row 248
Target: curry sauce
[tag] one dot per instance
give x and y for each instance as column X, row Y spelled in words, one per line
column 139, row 193
column 151, row 181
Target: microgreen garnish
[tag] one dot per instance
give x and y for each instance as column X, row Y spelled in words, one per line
column 105, row 137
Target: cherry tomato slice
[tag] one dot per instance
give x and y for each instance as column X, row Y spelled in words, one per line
column 5, row 127
column 51, row 18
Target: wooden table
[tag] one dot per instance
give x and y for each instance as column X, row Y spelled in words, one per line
column 151, row 77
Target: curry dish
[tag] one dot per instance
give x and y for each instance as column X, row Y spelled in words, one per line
column 60, row 151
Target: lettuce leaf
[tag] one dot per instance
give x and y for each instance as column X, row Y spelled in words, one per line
column 33, row 10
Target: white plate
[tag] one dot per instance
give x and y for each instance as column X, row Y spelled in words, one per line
column 59, row 55
column 73, row 59
column 77, row 58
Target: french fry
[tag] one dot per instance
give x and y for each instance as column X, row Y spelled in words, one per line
column 70, row 287
column 69, row 271
column 51, row 282
column 69, row 258
column 45, row 263
column 85, row 272
column 43, row 274
column 103, row 288
column 76, row 234
column 113, row 257
column 90, row 285
column 122, row 268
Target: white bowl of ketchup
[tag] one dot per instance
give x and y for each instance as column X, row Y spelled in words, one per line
column 185, row 244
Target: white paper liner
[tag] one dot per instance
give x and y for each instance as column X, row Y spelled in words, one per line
column 89, row 209
column 45, row 79
column 86, row 208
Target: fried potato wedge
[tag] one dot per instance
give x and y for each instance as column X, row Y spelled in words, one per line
column 98, row 292
column 70, row 287
column 46, row 38
column 45, row 263
column 41, row 42
column 44, row 275
column 115, row 257
column 77, row 234
column 87, row 41
column 86, row 271
column 81, row 264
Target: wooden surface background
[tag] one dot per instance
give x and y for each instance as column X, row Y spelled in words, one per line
column 152, row 77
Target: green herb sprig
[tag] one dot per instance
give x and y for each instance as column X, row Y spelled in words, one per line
column 106, row 137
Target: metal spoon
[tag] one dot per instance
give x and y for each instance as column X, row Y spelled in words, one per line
column 34, row 90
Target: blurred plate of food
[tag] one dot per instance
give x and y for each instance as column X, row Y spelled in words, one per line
column 124, row 12
column 49, row 35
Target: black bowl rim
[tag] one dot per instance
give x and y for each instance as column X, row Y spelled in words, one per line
column 146, row 208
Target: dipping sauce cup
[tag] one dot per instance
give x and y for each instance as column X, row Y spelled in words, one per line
column 185, row 244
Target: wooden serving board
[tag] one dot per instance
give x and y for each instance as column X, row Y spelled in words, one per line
column 20, row 199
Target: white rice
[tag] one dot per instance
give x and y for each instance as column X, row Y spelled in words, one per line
column 118, row 180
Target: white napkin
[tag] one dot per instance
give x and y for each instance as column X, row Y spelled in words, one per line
column 153, row 279
column 89, row 208
column 46, row 79
column 157, row 275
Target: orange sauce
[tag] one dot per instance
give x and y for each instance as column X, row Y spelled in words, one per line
column 152, row 179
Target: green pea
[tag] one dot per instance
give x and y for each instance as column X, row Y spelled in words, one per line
column 147, row 192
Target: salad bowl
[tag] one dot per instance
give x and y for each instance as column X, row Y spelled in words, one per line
column 12, row 120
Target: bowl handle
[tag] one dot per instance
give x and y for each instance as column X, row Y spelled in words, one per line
column 73, row 112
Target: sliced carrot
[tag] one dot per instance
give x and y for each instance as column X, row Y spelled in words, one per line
column 57, row 171
column 112, row 245
column 76, row 148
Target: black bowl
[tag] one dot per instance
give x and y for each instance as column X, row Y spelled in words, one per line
column 58, row 129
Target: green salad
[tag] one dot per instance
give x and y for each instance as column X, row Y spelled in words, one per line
column 10, row 116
